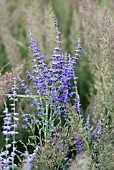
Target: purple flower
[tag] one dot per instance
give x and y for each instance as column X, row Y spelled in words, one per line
column 28, row 161
column 9, row 128
column 79, row 147
column 97, row 131
column 52, row 83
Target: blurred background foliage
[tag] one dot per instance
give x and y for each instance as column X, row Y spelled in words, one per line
column 76, row 18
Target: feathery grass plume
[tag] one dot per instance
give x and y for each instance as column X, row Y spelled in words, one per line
column 80, row 162
column 6, row 81
column 49, row 32
column 4, row 61
column 98, row 42
column 103, row 101
column 103, row 158
column 83, row 71
column 41, row 24
column 98, row 39
column 9, row 41
column 89, row 12
column 106, row 66
column 103, row 153
column 75, row 28
column 110, row 5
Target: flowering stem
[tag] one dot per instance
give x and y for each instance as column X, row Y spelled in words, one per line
column 7, row 159
column 13, row 130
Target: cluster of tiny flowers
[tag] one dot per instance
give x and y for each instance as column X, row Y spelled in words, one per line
column 9, row 129
column 92, row 133
column 89, row 130
column 24, row 86
column 28, row 159
column 97, row 131
column 53, row 83
column 4, row 164
column 79, row 145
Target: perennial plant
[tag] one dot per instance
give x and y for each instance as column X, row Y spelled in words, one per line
column 51, row 98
